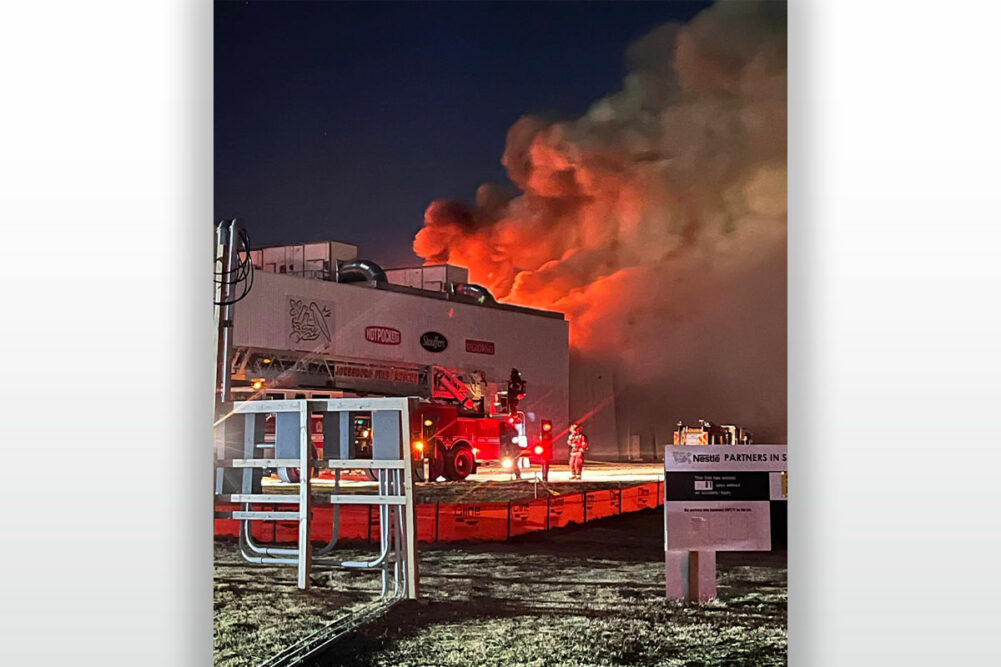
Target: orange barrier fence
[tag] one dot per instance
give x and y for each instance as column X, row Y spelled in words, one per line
column 566, row 509
column 480, row 522
column 640, row 497
column 528, row 516
column 457, row 522
column 599, row 504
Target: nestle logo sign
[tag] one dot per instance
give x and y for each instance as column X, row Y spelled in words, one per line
column 432, row 341
column 705, row 458
column 479, row 346
column 383, row 335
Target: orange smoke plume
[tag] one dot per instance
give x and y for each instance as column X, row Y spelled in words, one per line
column 657, row 221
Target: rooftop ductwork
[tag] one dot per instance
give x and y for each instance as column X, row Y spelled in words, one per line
column 477, row 293
column 359, row 271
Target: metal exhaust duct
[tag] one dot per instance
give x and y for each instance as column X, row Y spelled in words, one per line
column 360, row 270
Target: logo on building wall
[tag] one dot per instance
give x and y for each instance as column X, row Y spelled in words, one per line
column 432, row 341
column 308, row 321
column 479, row 346
column 383, row 335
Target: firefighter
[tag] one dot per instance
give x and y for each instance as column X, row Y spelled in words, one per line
column 578, row 445
column 516, row 387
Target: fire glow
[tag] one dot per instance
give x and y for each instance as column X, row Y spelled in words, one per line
column 657, row 221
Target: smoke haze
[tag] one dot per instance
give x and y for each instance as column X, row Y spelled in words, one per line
column 657, row 223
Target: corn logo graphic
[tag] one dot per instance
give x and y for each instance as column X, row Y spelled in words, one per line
column 308, row 321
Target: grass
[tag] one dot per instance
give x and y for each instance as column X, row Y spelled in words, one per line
column 584, row 595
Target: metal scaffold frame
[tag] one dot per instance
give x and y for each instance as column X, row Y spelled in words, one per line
column 240, row 436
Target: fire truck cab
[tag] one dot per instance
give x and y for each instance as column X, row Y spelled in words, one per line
column 458, row 434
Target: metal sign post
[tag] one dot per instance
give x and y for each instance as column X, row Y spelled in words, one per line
column 716, row 498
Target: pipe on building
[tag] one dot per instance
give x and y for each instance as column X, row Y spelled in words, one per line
column 360, row 270
column 478, row 292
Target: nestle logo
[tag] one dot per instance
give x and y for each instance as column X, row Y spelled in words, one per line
column 479, row 346
column 383, row 335
column 705, row 458
column 432, row 341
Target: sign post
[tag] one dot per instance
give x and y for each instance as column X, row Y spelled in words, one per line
column 717, row 498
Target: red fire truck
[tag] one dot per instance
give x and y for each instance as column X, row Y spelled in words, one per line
column 707, row 433
column 453, row 432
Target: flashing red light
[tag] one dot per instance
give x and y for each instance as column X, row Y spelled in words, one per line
column 510, row 420
column 538, row 449
column 547, row 426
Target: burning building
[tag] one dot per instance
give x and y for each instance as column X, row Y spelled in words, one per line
column 657, row 223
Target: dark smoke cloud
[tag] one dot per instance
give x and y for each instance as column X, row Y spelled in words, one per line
column 656, row 222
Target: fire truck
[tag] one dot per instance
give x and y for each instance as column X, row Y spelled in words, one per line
column 453, row 432
column 458, row 432
column 351, row 329
column 707, row 433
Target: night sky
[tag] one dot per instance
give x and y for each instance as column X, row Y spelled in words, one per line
column 345, row 120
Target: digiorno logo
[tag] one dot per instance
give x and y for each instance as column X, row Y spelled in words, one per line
column 383, row 335
column 479, row 346
column 432, row 341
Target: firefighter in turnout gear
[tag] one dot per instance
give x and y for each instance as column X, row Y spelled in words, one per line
column 578, row 445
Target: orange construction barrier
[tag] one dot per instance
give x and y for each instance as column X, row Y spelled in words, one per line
column 641, row 497
column 451, row 522
column 427, row 523
column 599, row 504
column 482, row 522
column 227, row 527
column 528, row 516
column 566, row 509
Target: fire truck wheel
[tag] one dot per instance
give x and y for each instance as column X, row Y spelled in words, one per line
column 460, row 462
column 436, row 466
column 291, row 475
column 372, row 475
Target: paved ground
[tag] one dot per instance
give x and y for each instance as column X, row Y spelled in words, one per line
column 594, row 471
column 496, row 485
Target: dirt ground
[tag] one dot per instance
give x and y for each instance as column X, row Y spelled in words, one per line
column 583, row 595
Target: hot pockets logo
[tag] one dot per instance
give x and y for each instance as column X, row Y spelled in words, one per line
column 383, row 335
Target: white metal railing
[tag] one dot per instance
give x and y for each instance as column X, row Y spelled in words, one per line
column 240, row 434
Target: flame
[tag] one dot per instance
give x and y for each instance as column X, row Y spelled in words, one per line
column 657, row 221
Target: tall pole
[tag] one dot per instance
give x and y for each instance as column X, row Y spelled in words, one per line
column 227, row 260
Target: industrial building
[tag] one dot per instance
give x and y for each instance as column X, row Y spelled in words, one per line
column 317, row 317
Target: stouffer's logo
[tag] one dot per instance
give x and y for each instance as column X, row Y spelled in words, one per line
column 383, row 335
column 432, row 341
column 479, row 346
